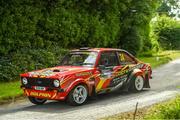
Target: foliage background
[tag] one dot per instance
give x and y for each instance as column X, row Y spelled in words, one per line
column 167, row 32
column 38, row 32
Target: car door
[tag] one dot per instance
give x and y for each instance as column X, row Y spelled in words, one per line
column 107, row 62
column 120, row 72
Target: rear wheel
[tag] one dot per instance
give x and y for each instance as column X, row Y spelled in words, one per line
column 78, row 95
column 137, row 84
column 37, row 101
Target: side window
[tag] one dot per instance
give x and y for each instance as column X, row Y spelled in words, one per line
column 108, row 59
column 125, row 58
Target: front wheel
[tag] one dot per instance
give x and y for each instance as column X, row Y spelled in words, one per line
column 37, row 101
column 78, row 95
column 137, row 84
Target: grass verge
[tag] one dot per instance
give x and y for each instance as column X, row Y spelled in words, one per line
column 166, row 110
column 160, row 58
column 8, row 91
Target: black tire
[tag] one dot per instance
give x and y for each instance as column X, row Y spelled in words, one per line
column 37, row 101
column 71, row 99
column 134, row 86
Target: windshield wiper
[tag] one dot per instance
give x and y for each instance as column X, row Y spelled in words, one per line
column 88, row 64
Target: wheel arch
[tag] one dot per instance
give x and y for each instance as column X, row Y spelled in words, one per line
column 76, row 83
column 135, row 73
column 132, row 77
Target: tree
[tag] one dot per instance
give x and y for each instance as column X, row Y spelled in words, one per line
column 170, row 8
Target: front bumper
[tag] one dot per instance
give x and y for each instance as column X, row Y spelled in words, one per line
column 56, row 94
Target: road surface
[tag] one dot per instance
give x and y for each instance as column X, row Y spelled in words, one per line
column 163, row 86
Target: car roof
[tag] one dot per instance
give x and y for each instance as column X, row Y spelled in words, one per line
column 98, row 49
column 101, row 50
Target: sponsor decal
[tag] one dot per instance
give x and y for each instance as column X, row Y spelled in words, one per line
column 115, row 81
column 45, row 73
column 125, row 70
column 122, row 75
column 66, row 79
column 47, row 95
column 122, row 72
column 100, row 84
column 83, row 74
column 121, row 57
column 118, row 77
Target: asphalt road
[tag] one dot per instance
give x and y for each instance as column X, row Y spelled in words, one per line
column 163, row 86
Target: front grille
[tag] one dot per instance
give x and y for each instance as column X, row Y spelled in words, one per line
column 45, row 82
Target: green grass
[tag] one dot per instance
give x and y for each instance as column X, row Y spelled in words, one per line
column 167, row 110
column 154, row 61
column 161, row 111
column 10, row 90
column 161, row 58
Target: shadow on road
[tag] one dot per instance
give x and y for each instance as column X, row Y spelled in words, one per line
column 62, row 106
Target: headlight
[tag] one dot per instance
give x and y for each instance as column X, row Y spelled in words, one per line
column 25, row 81
column 56, row 83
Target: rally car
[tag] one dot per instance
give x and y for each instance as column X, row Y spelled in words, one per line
column 86, row 72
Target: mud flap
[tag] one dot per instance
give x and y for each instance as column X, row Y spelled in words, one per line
column 146, row 84
column 93, row 95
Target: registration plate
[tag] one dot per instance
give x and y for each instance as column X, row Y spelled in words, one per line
column 40, row 88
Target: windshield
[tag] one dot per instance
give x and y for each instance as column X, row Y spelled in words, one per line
column 80, row 59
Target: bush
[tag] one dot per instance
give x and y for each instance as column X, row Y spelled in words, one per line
column 75, row 23
column 168, row 32
column 31, row 30
column 26, row 60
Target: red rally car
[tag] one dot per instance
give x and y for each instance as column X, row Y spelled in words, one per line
column 86, row 72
